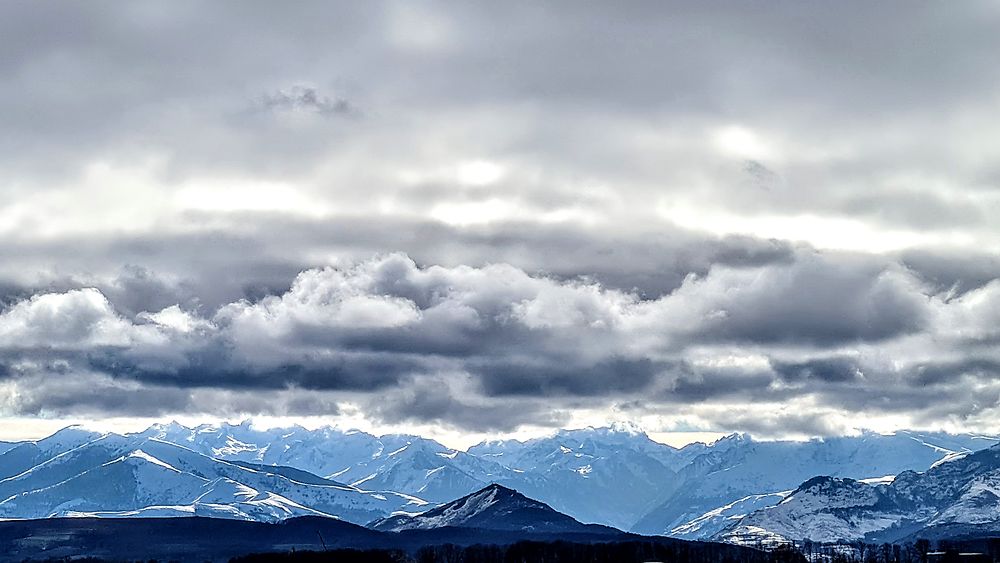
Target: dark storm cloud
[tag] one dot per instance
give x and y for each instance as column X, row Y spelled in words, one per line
column 694, row 384
column 260, row 255
column 418, row 339
column 435, row 403
column 138, row 289
column 614, row 374
column 953, row 272
column 770, row 424
column 211, row 368
column 930, row 402
column 829, row 370
column 11, row 293
column 819, row 300
column 367, row 323
column 95, row 396
column 944, row 372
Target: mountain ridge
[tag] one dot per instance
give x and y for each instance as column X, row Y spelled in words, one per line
column 494, row 507
column 960, row 495
column 614, row 476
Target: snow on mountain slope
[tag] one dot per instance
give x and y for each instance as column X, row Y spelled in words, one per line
column 580, row 472
column 615, row 476
column 494, row 507
column 540, row 452
column 408, row 464
column 978, row 503
column 67, row 464
column 127, row 482
column 715, row 520
column 584, row 472
column 745, row 467
column 324, row 496
column 221, row 498
column 823, row 509
column 961, row 492
column 21, row 456
column 125, row 474
column 422, row 470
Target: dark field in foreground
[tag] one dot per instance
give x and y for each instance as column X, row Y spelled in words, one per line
column 324, row 539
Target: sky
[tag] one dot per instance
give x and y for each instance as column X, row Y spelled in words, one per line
column 479, row 218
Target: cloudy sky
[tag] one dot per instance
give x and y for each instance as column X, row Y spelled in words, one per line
column 473, row 218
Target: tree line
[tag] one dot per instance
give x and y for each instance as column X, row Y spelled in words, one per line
column 545, row 552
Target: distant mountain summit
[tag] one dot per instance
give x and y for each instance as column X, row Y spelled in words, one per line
column 614, row 476
column 737, row 475
column 494, row 507
column 955, row 498
column 138, row 476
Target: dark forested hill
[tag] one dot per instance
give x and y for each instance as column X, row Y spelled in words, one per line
column 211, row 539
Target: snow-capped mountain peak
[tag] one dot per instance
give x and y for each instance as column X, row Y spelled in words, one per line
column 616, row 476
column 957, row 496
column 493, row 507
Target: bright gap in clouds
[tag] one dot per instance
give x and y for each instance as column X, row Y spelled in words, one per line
column 17, row 429
column 475, row 212
column 829, row 233
column 478, row 173
column 740, row 142
column 241, row 195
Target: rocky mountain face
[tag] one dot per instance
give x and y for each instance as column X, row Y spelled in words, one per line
column 494, row 507
column 958, row 497
column 738, row 475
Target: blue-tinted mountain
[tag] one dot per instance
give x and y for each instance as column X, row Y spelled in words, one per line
column 416, row 466
column 579, row 472
column 613, row 476
column 494, row 507
column 959, row 497
column 739, row 473
column 598, row 475
column 138, row 476
column 21, row 456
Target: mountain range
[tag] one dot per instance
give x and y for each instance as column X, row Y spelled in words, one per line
column 492, row 508
column 958, row 497
column 615, row 477
column 494, row 514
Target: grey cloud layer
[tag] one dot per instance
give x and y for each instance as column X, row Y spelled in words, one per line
column 594, row 108
column 444, row 343
column 729, row 215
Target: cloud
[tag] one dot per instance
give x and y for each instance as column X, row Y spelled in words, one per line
column 306, row 99
column 98, row 395
column 252, row 256
column 832, row 370
column 437, row 343
column 700, row 383
column 439, row 401
column 80, row 318
column 902, row 150
column 816, row 300
column 89, row 394
column 676, row 232
column 546, row 378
